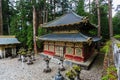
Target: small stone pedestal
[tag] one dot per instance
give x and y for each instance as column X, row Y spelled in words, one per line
column 19, row 57
column 62, row 68
column 23, row 57
column 33, row 56
column 47, row 69
column 29, row 62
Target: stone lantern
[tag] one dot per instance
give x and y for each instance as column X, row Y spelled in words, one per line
column 47, row 69
column 62, row 68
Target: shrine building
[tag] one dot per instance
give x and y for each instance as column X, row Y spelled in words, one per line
column 8, row 46
column 70, row 37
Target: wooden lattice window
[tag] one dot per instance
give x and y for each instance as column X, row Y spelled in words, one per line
column 51, row 48
column 69, row 50
column 59, row 50
column 45, row 46
column 78, row 51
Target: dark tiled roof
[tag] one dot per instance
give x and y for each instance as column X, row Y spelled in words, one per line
column 8, row 40
column 69, row 18
column 71, row 37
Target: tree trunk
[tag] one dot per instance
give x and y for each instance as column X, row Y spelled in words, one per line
column 34, row 30
column 110, row 18
column 1, row 22
column 98, row 12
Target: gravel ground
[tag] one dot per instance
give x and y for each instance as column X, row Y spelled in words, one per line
column 12, row 69
column 95, row 71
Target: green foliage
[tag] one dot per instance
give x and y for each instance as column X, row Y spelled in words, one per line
column 117, row 36
column 111, row 71
column 70, row 74
column 39, row 44
column 103, row 17
column 41, row 32
column 106, row 47
column 19, row 17
column 30, row 37
column 109, row 77
column 73, row 72
column 116, row 23
column 22, row 51
column 6, row 15
column 29, row 51
column 93, row 32
column 118, row 45
column 76, row 67
column 105, row 77
column 21, row 23
column 80, row 8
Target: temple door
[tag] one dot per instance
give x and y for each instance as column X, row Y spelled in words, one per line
column 8, row 52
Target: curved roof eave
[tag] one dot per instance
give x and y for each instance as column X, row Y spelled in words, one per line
column 71, row 37
column 69, row 18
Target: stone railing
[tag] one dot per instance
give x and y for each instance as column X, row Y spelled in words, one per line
column 116, row 55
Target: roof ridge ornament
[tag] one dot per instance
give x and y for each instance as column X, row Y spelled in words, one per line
column 89, row 40
column 85, row 20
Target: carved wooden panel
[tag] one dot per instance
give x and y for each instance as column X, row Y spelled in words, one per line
column 60, row 43
column 45, row 42
column 51, row 43
column 70, row 44
column 78, row 45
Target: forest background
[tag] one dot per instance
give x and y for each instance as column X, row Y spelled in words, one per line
column 18, row 16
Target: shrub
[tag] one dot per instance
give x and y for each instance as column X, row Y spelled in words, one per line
column 70, row 74
column 106, row 47
column 76, row 67
column 111, row 71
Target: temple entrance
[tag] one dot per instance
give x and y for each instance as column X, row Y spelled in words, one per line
column 8, row 52
column 59, row 51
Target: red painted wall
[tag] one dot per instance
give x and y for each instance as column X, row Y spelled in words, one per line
column 87, row 51
column 73, row 57
column 49, row 52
